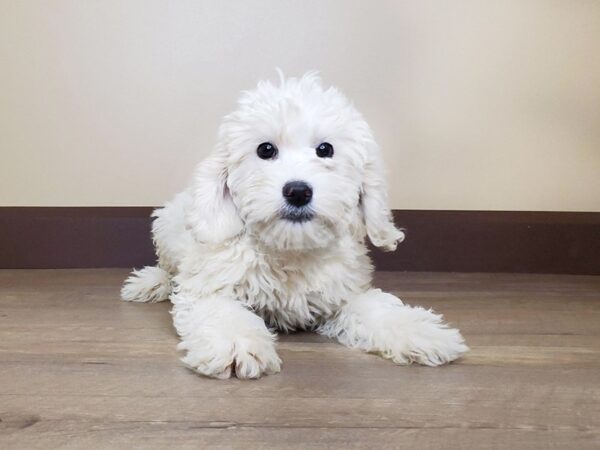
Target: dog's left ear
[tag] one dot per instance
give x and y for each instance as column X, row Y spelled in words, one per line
column 212, row 215
column 374, row 204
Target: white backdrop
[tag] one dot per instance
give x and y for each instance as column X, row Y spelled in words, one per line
column 476, row 104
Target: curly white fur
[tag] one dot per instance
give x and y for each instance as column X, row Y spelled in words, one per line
column 150, row 284
column 236, row 268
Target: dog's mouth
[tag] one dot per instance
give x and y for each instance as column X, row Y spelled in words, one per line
column 296, row 215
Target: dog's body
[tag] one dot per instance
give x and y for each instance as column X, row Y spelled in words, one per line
column 272, row 234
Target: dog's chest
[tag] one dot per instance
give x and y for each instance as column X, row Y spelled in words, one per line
column 289, row 291
column 294, row 292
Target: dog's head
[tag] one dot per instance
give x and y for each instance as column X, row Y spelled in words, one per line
column 297, row 167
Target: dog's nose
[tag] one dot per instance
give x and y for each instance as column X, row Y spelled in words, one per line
column 297, row 193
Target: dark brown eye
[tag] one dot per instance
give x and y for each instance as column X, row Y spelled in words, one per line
column 266, row 150
column 325, row 150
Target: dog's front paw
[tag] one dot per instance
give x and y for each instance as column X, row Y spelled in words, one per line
column 425, row 339
column 244, row 357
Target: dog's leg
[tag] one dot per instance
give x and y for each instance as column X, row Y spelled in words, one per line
column 380, row 323
column 220, row 335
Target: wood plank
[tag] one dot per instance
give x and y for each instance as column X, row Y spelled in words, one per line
column 79, row 369
column 190, row 435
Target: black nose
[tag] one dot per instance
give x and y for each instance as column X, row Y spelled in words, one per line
column 297, row 193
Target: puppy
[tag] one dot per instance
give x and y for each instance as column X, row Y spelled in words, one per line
column 271, row 236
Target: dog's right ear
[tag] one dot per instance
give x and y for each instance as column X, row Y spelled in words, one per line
column 377, row 216
column 212, row 215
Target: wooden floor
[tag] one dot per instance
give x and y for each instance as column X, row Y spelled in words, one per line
column 80, row 369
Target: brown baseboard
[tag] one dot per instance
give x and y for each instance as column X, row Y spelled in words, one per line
column 496, row 241
column 455, row 241
column 47, row 237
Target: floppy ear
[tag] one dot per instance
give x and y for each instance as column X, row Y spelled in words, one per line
column 374, row 204
column 212, row 215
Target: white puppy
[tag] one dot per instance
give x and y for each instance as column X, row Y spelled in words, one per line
column 271, row 235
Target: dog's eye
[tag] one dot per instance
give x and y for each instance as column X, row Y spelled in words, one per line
column 325, row 150
column 266, row 150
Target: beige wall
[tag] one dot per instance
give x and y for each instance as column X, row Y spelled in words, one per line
column 477, row 104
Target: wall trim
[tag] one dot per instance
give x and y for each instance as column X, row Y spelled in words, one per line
column 455, row 241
